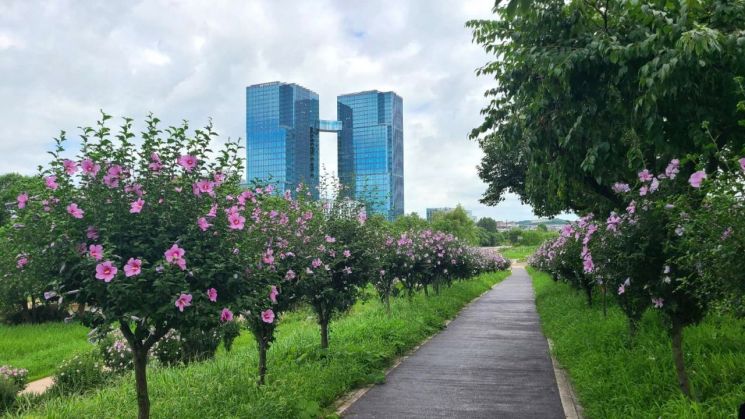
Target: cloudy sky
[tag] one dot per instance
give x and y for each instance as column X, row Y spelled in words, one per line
column 62, row 61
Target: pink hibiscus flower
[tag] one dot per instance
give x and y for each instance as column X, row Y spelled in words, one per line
column 106, row 271
column 175, row 256
column 697, row 178
column 21, row 262
column 89, row 167
column 273, row 293
column 658, row 302
column 136, row 206
column 267, row 316
column 672, row 168
column 204, row 186
column 75, row 211
column 213, row 211
column 133, row 267
column 70, row 166
column 645, row 175
column 742, row 164
column 236, row 221
column 22, row 200
column 95, row 251
column 91, row 233
column 347, row 253
column 187, row 162
column 183, row 301
column 203, row 224
column 268, row 257
column 212, row 294
column 51, row 182
column 111, row 181
column 290, row 275
column 226, row 315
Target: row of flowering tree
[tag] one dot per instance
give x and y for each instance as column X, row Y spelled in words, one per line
column 154, row 234
column 676, row 247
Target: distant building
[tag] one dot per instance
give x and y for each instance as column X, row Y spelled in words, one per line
column 506, row 225
column 282, row 135
column 432, row 211
column 371, row 151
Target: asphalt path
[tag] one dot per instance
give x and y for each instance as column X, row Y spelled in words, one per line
column 492, row 361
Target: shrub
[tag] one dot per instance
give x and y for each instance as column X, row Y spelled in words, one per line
column 8, row 392
column 134, row 231
column 79, row 374
column 168, row 350
column 12, row 381
column 230, row 331
column 675, row 247
column 115, row 352
column 19, row 376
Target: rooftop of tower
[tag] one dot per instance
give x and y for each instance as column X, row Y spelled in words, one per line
column 367, row 91
column 275, row 83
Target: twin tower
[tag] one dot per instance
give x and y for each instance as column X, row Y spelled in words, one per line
column 282, row 131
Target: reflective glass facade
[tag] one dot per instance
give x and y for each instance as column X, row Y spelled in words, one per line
column 371, row 151
column 282, row 135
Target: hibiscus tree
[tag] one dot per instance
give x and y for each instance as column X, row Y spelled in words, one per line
column 127, row 239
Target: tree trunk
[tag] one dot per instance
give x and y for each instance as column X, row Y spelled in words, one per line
column 143, row 400
column 262, row 359
column 633, row 329
column 81, row 309
column 605, row 303
column 588, row 292
column 387, row 303
column 324, row 323
column 426, row 291
column 677, row 345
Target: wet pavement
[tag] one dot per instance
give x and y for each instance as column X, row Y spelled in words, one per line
column 492, row 361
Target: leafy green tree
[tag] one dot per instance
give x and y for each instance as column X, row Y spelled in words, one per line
column 487, row 223
column 588, row 91
column 137, row 232
column 11, row 186
column 458, row 223
column 409, row 222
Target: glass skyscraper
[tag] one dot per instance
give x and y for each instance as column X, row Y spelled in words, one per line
column 282, row 142
column 282, row 135
column 371, row 154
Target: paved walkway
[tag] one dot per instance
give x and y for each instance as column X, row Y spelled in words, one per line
column 492, row 361
column 39, row 386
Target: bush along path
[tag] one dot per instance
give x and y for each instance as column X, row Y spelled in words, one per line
column 491, row 361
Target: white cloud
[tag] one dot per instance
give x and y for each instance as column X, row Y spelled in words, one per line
column 192, row 60
column 151, row 56
column 7, row 41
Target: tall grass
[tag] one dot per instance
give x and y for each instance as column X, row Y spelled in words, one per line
column 40, row 347
column 520, row 253
column 302, row 381
column 617, row 379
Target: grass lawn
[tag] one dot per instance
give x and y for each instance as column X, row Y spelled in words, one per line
column 615, row 380
column 302, row 380
column 40, row 347
column 520, row 253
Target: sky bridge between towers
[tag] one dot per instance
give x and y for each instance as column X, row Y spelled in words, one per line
column 325, row 125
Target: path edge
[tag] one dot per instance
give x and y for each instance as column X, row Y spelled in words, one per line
column 346, row 401
column 569, row 400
